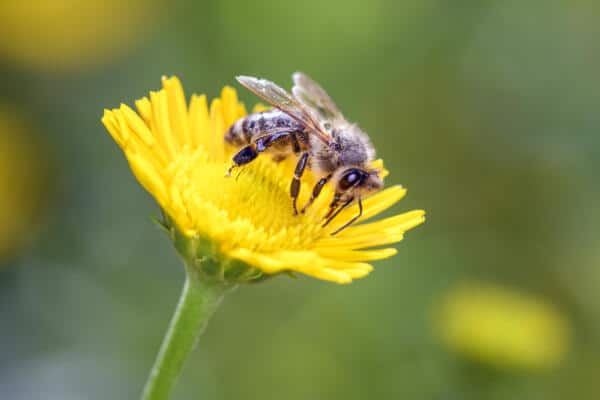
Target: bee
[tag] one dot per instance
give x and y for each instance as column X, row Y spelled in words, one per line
column 308, row 124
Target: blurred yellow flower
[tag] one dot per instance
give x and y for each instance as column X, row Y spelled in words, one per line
column 502, row 327
column 178, row 154
column 23, row 174
column 67, row 34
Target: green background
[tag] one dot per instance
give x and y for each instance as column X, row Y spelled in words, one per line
column 487, row 111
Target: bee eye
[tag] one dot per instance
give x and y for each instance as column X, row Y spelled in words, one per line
column 351, row 178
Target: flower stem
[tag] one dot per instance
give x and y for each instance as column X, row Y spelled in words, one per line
column 197, row 303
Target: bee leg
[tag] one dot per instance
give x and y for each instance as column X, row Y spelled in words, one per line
column 316, row 191
column 333, row 205
column 295, row 144
column 244, row 156
column 295, row 186
column 347, row 224
column 334, row 210
column 250, row 152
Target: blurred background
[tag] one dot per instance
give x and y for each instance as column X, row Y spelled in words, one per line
column 487, row 111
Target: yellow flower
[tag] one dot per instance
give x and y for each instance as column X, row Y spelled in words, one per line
column 178, row 154
column 501, row 327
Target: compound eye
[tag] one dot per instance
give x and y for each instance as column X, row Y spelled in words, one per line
column 350, row 179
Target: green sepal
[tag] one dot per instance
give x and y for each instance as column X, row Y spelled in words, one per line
column 160, row 222
column 203, row 255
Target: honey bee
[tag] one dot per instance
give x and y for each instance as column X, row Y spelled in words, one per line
column 309, row 125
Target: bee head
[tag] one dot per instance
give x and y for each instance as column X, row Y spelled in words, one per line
column 355, row 180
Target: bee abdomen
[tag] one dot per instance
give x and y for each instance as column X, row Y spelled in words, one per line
column 244, row 130
column 238, row 134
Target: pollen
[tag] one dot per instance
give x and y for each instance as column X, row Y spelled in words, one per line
column 177, row 152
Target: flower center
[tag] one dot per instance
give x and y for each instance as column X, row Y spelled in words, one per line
column 255, row 201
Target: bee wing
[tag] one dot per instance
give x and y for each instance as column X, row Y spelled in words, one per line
column 314, row 97
column 278, row 97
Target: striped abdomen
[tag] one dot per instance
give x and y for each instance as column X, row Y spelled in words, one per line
column 245, row 130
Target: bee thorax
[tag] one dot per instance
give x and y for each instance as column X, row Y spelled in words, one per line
column 352, row 147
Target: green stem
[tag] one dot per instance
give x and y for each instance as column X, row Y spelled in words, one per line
column 197, row 303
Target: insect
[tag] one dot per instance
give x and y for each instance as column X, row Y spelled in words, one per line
column 309, row 125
